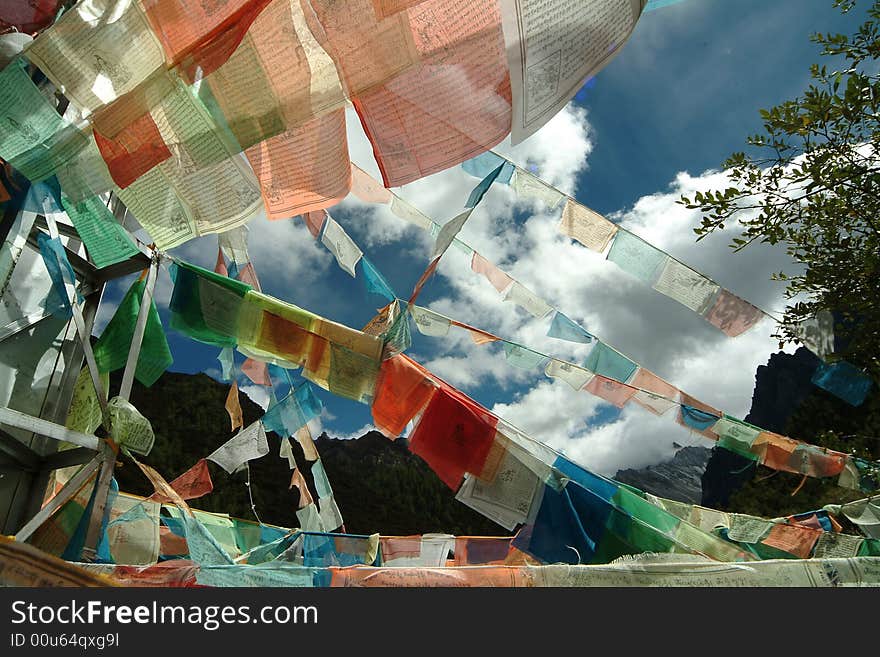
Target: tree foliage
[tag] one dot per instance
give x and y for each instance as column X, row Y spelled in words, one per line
column 811, row 181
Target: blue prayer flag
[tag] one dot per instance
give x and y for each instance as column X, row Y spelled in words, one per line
column 482, row 187
column 843, row 380
column 485, row 163
column 375, row 281
column 565, row 329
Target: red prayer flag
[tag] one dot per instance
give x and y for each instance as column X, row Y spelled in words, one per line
column 403, row 389
column 454, row 436
column 192, row 484
column 136, row 149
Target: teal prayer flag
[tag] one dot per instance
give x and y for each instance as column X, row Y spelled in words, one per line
column 565, row 329
column 635, row 256
column 843, row 380
column 606, row 361
column 482, row 187
column 485, row 163
column 375, row 281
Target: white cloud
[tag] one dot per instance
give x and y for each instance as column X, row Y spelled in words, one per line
column 357, row 433
column 257, row 394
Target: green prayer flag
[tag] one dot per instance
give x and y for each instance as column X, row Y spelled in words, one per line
column 206, row 306
column 106, row 240
column 33, row 137
column 111, row 350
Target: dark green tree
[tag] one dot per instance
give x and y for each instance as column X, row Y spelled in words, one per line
column 811, row 181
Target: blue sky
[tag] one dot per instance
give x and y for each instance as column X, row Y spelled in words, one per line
column 680, row 97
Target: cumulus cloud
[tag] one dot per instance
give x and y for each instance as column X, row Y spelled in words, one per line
column 257, row 394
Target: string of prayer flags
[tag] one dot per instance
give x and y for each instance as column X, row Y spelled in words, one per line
column 343, row 248
column 192, row 484
column 357, row 373
column 844, row 381
column 565, row 329
column 718, row 306
column 233, row 407
column 106, row 240
column 248, row 444
column 128, row 427
column 111, row 349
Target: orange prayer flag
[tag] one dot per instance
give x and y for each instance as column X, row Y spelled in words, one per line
column 220, row 266
column 305, row 497
column 134, row 151
column 256, row 371
column 233, row 407
column 403, row 388
column 248, row 275
column 793, row 539
column 499, row 280
column 610, row 390
column 304, row 169
column 192, row 484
